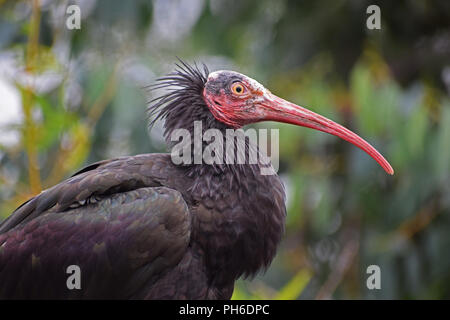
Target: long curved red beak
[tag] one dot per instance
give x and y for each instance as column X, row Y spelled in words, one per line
column 277, row 109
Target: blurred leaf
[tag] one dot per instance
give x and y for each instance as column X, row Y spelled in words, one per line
column 295, row 286
column 297, row 191
column 55, row 121
column 442, row 161
column 416, row 130
column 79, row 146
column 239, row 294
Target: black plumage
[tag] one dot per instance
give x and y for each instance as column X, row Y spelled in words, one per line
column 141, row 227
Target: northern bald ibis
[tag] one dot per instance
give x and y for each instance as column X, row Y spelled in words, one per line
column 142, row 227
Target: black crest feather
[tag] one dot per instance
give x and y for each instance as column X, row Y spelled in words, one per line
column 183, row 103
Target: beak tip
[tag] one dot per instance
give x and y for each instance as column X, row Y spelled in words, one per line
column 390, row 171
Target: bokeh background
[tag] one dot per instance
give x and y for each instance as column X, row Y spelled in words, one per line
column 71, row 97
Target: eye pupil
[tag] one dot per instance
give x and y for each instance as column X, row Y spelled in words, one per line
column 238, row 88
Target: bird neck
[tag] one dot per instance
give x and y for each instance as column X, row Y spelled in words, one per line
column 238, row 218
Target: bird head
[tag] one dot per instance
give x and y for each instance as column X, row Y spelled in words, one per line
column 237, row 100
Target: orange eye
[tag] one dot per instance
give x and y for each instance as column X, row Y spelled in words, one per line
column 238, row 88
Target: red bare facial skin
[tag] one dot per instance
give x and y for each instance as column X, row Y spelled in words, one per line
column 231, row 108
column 254, row 104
